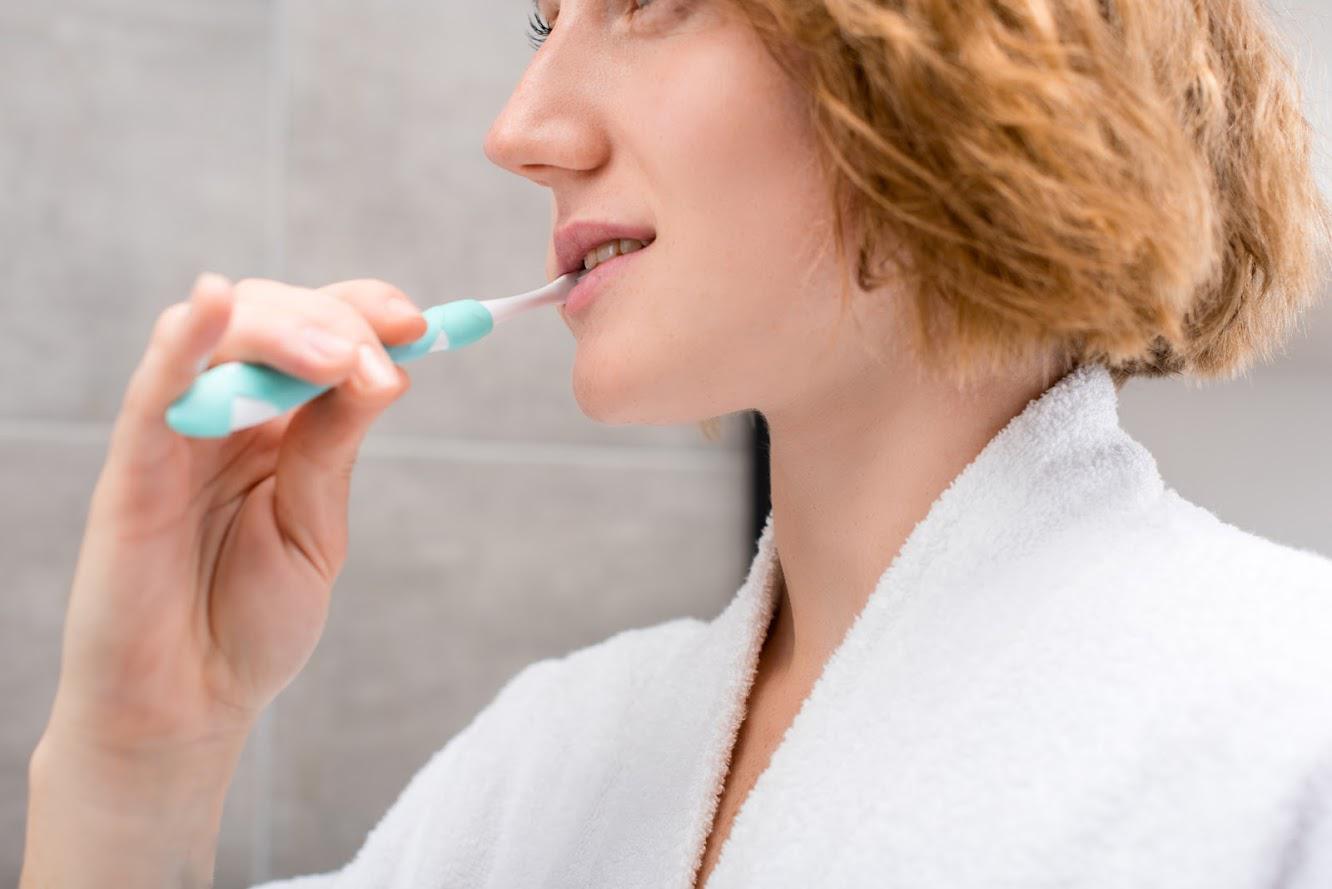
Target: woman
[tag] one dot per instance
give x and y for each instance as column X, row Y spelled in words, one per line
column 996, row 649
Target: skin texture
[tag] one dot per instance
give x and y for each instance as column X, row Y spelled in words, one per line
column 673, row 115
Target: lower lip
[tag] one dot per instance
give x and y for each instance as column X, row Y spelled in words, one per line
column 594, row 281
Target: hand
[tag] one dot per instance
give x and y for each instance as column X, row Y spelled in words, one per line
column 203, row 579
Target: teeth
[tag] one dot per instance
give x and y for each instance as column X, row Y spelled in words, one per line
column 600, row 254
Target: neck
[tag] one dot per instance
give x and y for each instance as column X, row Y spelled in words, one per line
column 851, row 479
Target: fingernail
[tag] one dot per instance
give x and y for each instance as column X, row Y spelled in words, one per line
column 325, row 346
column 375, row 369
column 400, row 310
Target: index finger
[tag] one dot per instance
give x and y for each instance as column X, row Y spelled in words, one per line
column 395, row 319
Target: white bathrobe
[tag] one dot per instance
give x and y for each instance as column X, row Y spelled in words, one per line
column 1069, row 676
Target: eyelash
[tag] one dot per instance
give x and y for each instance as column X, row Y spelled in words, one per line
column 538, row 29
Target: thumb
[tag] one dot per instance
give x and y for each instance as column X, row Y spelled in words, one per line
column 182, row 338
column 318, row 452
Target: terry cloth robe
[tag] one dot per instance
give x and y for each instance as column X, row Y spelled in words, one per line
column 1068, row 676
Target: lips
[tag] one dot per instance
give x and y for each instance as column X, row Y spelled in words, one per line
column 574, row 239
column 599, row 279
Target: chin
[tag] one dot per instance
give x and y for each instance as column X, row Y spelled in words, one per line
column 620, row 395
column 605, row 396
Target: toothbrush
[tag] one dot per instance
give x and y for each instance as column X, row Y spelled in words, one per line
column 238, row 394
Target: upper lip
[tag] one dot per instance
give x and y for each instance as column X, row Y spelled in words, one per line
column 574, row 239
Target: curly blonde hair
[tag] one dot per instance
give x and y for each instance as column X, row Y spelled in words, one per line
column 1121, row 181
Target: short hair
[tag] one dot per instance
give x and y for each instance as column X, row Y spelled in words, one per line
column 1121, row 181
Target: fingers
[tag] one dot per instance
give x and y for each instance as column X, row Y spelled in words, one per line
column 313, row 334
column 335, row 336
column 318, row 453
column 395, row 318
column 300, row 332
column 322, row 441
column 182, row 337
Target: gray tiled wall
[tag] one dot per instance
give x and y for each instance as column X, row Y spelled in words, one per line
column 316, row 140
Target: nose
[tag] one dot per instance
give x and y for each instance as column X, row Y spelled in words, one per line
column 549, row 127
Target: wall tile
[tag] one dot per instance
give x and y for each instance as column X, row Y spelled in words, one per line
column 134, row 157
column 1254, row 451
column 1309, row 348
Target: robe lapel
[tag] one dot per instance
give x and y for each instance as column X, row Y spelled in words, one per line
column 676, row 739
column 1049, row 469
column 1059, row 467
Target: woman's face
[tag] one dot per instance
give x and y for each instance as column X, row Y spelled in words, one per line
column 670, row 115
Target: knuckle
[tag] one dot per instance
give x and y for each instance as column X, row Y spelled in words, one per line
column 389, row 394
column 265, row 314
column 346, row 320
column 397, row 390
column 382, row 290
column 264, row 290
column 368, row 387
column 369, row 292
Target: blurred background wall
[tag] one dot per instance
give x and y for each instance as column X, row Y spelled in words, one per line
column 142, row 141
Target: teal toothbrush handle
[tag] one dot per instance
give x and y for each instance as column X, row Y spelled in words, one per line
column 238, row 394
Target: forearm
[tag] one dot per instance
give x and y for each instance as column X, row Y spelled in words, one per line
column 95, row 820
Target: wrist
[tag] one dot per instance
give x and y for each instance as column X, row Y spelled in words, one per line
column 138, row 782
column 99, row 817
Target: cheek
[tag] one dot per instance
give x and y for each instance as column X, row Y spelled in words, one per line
column 719, row 128
column 728, row 164
column 729, row 158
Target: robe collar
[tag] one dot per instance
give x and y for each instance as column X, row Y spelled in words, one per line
column 1061, row 463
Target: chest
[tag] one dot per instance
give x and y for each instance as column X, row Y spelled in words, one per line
column 1002, row 741
column 774, row 701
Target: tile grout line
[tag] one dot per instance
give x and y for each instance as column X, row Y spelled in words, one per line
column 456, row 450
column 279, row 107
column 595, row 456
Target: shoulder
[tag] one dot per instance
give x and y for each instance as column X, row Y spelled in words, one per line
column 549, row 717
column 589, row 687
column 1194, row 603
column 1174, row 550
column 548, row 727
column 1243, row 568
column 616, row 663
column 1245, row 613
